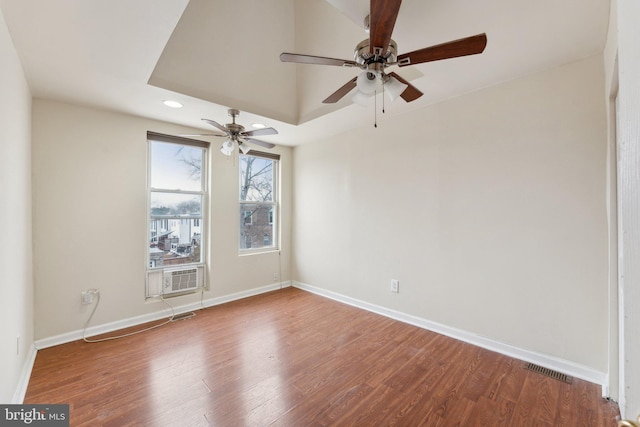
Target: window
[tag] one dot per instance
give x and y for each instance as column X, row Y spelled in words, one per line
column 176, row 197
column 258, row 201
column 247, row 217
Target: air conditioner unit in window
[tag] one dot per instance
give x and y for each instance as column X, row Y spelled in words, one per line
column 177, row 281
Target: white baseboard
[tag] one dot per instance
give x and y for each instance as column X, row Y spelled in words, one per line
column 157, row 315
column 551, row 362
column 244, row 294
column 25, row 375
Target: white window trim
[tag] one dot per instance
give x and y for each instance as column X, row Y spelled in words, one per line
column 204, row 192
column 274, row 205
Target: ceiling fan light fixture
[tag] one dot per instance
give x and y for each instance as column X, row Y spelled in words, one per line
column 244, row 148
column 360, row 98
column 227, row 147
column 366, row 82
column 394, row 88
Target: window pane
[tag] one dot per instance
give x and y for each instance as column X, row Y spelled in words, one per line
column 256, row 226
column 176, row 167
column 174, row 242
column 174, row 229
column 175, row 204
column 256, row 179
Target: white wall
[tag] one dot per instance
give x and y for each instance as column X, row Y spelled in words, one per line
column 89, row 225
column 489, row 208
column 16, row 279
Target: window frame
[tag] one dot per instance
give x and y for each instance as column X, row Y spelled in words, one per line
column 203, row 193
column 273, row 206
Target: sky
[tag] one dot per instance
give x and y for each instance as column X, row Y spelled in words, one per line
column 170, row 172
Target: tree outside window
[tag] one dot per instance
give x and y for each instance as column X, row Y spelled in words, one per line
column 258, row 201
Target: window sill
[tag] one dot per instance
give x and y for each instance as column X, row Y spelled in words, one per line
column 250, row 252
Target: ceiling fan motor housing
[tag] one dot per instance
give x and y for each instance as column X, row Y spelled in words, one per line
column 234, row 128
column 363, row 56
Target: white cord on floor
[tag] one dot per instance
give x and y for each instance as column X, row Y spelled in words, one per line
column 86, row 325
column 202, row 297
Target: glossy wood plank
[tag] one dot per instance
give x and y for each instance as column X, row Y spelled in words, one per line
column 291, row 358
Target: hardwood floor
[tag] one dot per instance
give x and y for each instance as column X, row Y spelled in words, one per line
column 291, row 358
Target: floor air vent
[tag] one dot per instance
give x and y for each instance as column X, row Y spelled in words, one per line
column 548, row 372
column 183, row 316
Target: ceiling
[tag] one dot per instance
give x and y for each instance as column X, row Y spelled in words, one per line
column 212, row 55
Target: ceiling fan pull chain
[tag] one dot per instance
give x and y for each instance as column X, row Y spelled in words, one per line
column 375, row 109
column 383, row 99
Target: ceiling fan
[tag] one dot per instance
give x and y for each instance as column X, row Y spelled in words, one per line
column 236, row 134
column 379, row 51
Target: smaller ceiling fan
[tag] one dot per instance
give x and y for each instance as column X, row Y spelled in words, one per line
column 236, row 134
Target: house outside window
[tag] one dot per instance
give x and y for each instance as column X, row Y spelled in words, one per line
column 247, row 217
column 258, row 202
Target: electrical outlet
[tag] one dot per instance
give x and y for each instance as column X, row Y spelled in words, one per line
column 87, row 297
column 276, row 277
column 395, row 285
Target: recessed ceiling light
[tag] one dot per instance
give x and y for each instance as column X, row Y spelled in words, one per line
column 172, row 104
column 259, row 125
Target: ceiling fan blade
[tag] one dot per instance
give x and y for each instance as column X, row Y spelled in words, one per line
column 258, row 142
column 453, row 49
column 202, row 134
column 318, row 60
column 411, row 93
column 337, row 95
column 355, row 10
column 216, row 125
column 382, row 18
column 260, row 132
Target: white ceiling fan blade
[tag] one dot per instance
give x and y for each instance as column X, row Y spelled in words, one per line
column 260, row 132
column 317, row 60
column 216, row 125
column 355, row 10
column 202, row 134
column 258, row 142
